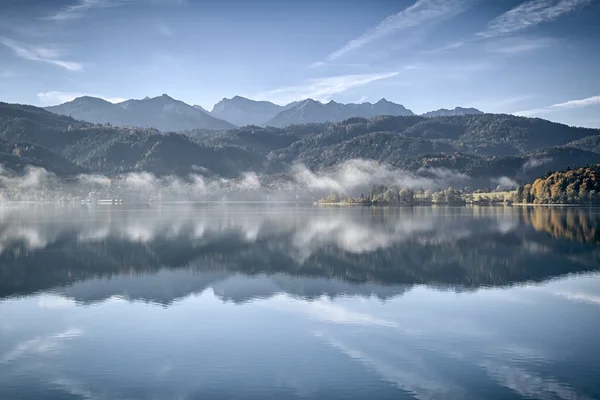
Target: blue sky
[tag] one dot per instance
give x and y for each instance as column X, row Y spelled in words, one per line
column 534, row 58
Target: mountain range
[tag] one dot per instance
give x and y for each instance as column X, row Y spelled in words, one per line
column 480, row 146
column 163, row 113
column 167, row 114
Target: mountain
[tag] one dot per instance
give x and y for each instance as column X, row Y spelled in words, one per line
column 591, row 143
column 312, row 111
column 241, row 111
column 485, row 135
column 443, row 112
column 16, row 157
column 481, row 146
column 497, row 134
column 204, row 110
column 92, row 109
column 163, row 113
column 111, row 150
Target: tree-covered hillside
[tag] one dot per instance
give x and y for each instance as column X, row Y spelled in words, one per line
column 590, row 143
column 571, row 186
column 17, row 156
column 498, row 134
column 109, row 150
column 482, row 146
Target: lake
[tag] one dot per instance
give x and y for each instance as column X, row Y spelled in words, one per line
column 282, row 301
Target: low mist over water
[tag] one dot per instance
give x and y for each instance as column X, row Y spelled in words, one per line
column 351, row 177
column 299, row 302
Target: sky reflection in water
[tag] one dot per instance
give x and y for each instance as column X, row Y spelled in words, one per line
column 296, row 302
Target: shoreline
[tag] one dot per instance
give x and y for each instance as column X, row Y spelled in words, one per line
column 500, row 204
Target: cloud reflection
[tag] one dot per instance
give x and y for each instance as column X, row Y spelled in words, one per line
column 40, row 345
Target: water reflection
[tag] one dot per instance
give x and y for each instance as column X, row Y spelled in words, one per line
column 291, row 302
column 163, row 254
column 570, row 222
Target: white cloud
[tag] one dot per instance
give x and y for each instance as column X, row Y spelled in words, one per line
column 54, row 98
column 322, row 88
column 80, row 7
column 318, row 64
column 420, row 12
column 6, row 74
column 171, row 2
column 449, row 46
column 529, row 14
column 590, row 101
column 164, row 29
column 499, row 104
column 325, row 65
column 518, row 45
column 45, row 54
column 536, row 162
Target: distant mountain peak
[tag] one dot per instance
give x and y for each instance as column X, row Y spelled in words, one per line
column 88, row 99
column 313, row 111
column 312, row 101
column 242, row 111
column 198, row 107
column 456, row 111
column 163, row 113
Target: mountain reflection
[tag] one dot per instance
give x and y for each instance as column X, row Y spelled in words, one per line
column 245, row 252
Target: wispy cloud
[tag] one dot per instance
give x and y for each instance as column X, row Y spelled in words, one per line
column 322, row 88
column 325, row 65
column 529, row 14
column 499, row 104
column 449, row 46
column 6, row 74
column 590, row 101
column 421, row 12
column 511, row 46
column 80, row 7
column 164, row 29
column 171, row 2
column 318, row 64
column 54, row 98
column 45, row 54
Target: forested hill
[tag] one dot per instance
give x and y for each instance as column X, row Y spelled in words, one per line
column 486, row 145
column 571, row 186
column 110, row 150
column 16, row 157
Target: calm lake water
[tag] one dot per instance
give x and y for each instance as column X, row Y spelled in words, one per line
column 277, row 302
